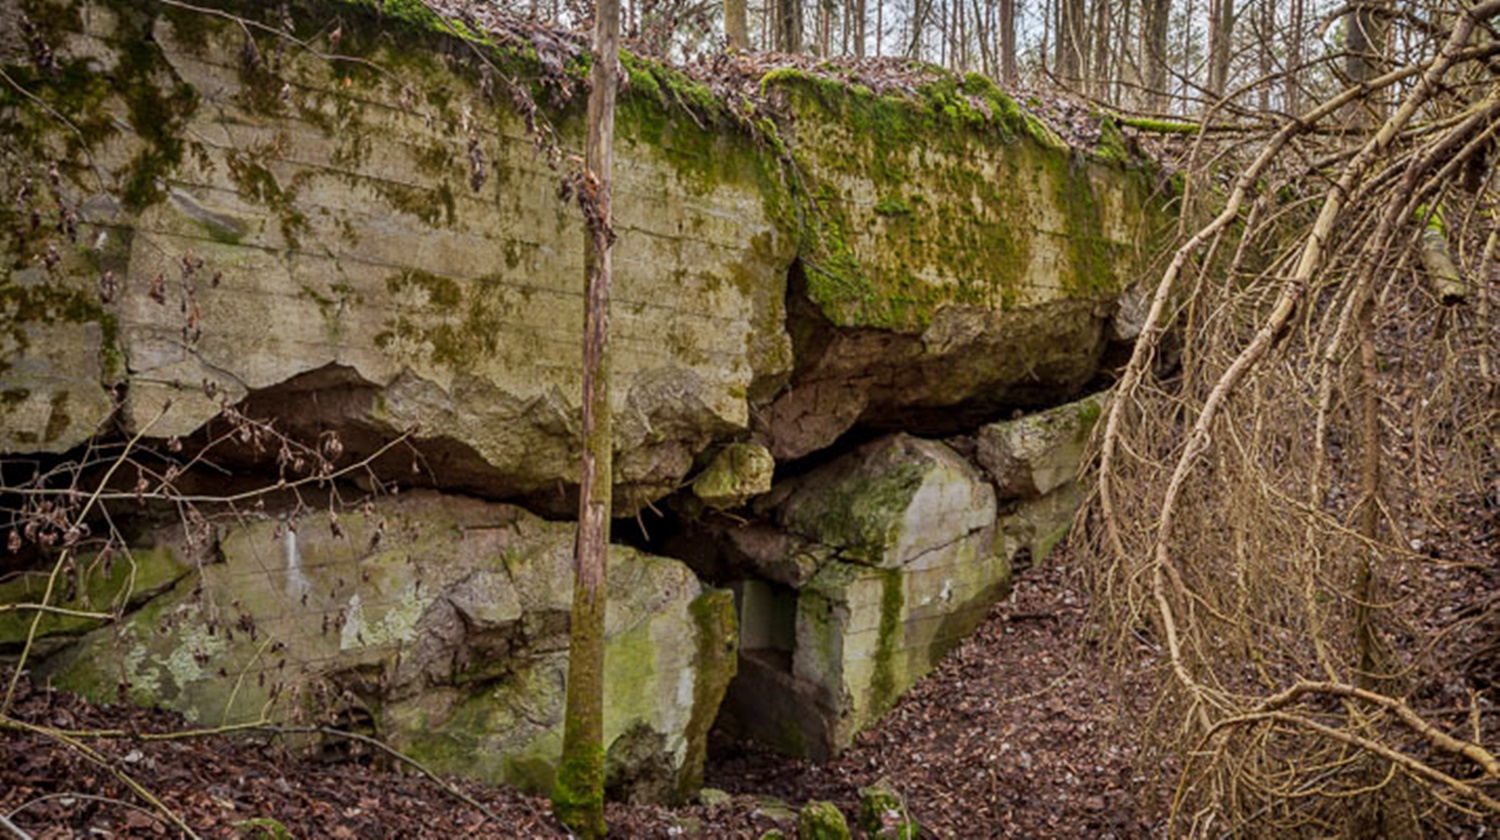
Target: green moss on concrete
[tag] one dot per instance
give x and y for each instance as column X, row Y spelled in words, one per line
column 883, row 815
column 988, row 178
column 1090, row 270
column 821, row 820
column 714, row 668
column 440, row 292
column 1089, row 412
column 707, row 143
column 446, row 321
column 736, row 472
column 159, row 106
column 126, row 580
column 859, row 515
column 53, row 303
column 925, row 256
column 1111, row 146
column 886, row 684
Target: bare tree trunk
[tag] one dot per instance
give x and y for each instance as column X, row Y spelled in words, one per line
column 1154, row 16
column 1366, row 30
column 1367, row 642
column 1047, row 38
column 1220, row 39
column 1099, row 65
column 1292, row 82
column 942, row 29
column 1007, row 26
column 1265, row 30
column 848, row 17
column 920, row 13
column 788, row 26
column 879, row 25
column 578, row 798
column 736, row 28
column 1186, row 54
column 983, row 23
column 821, row 26
column 858, row 27
column 1127, row 68
column 1072, row 42
column 960, row 37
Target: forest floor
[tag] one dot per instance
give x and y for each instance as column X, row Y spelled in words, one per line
column 1015, row 734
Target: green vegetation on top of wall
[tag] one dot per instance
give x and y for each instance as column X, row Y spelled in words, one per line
column 966, row 183
column 958, row 169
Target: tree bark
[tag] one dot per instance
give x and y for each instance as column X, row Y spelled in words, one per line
column 1072, row 42
column 788, row 26
column 858, row 27
column 1008, row 71
column 922, row 9
column 1099, row 65
column 1265, row 30
column 1293, row 87
column 1365, row 39
column 578, row 798
column 1220, row 39
column 1154, row 15
column 736, row 28
column 1127, row 75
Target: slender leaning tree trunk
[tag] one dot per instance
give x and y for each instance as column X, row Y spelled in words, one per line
column 578, row 798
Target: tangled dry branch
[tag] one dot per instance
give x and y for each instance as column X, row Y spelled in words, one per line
column 1298, row 474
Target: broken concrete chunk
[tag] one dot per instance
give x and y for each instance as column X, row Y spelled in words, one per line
column 449, row 632
column 910, row 526
column 1036, row 454
column 888, row 502
column 737, row 472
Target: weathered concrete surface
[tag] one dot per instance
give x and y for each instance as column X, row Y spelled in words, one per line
column 333, row 210
column 965, row 261
column 906, row 566
column 1036, row 454
column 887, row 504
column 856, row 577
column 372, row 244
column 441, row 620
column 737, row 472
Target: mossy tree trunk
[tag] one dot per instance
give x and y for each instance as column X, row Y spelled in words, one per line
column 578, row 798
